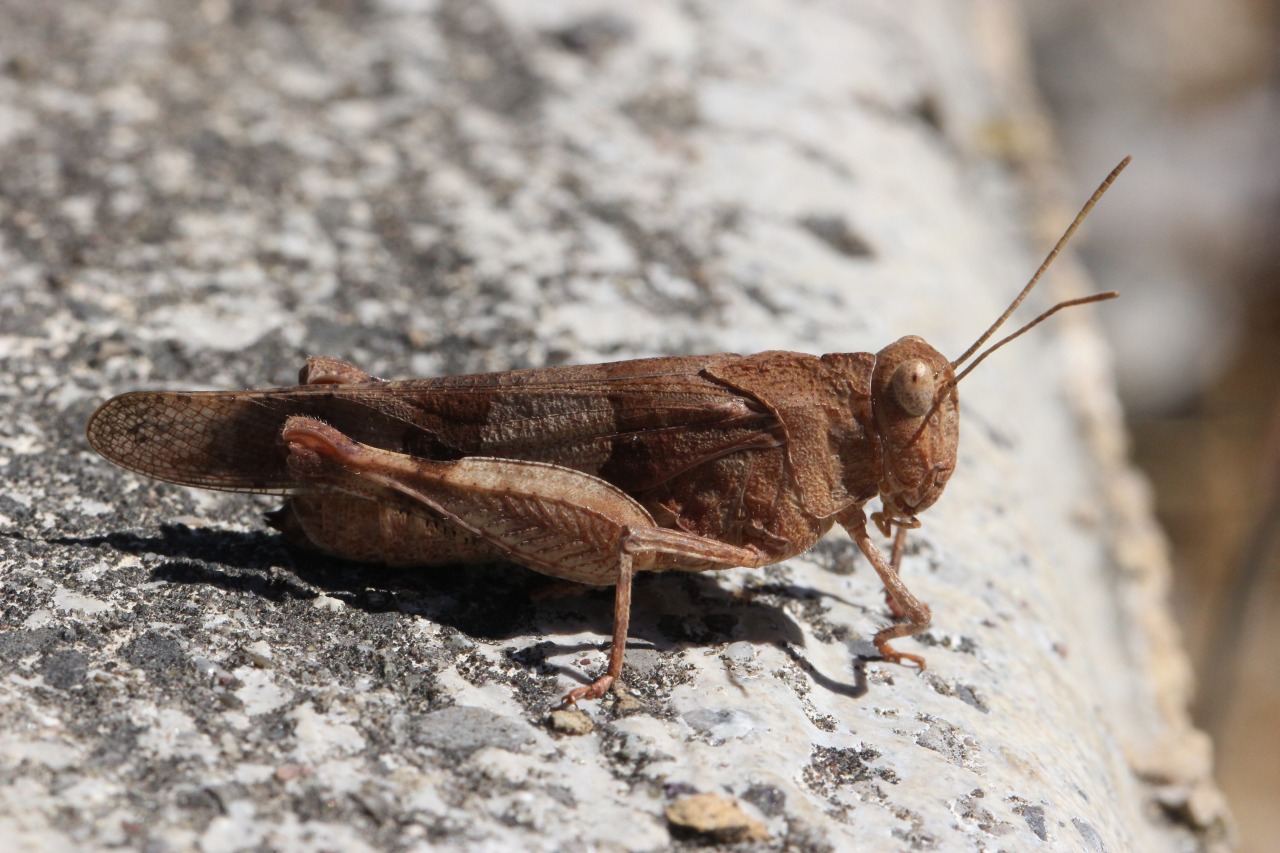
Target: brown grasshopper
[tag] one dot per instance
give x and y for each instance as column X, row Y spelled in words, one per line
column 588, row 473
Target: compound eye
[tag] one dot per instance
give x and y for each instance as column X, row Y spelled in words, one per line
column 913, row 386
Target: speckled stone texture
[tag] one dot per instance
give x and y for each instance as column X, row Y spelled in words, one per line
column 200, row 194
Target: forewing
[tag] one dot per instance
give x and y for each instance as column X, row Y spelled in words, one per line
column 635, row 424
column 231, row 440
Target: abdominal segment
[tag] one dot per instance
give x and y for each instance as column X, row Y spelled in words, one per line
column 366, row 531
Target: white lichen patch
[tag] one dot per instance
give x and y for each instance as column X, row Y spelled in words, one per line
column 68, row 600
column 259, row 691
column 172, row 733
column 318, row 736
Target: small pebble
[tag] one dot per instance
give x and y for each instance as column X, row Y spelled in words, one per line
column 718, row 818
column 259, row 654
column 571, row 721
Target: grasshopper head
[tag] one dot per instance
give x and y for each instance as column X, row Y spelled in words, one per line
column 914, row 400
column 917, row 415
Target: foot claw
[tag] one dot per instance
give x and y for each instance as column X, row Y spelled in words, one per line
column 890, row 655
column 594, row 690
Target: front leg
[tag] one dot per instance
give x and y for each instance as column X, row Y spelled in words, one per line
column 903, row 603
column 887, row 527
column 553, row 519
column 895, row 560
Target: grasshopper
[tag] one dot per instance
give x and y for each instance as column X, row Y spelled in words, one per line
column 587, row 473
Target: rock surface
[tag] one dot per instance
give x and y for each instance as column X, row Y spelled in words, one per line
column 202, row 194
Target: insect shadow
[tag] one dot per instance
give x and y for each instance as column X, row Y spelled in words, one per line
column 496, row 602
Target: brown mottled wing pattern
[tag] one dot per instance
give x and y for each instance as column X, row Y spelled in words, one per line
column 635, row 424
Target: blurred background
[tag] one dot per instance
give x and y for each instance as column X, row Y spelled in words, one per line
column 1189, row 87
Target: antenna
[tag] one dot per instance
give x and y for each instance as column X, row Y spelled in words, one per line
column 1062, row 241
column 1083, row 300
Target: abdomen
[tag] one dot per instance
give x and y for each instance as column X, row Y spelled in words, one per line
column 357, row 529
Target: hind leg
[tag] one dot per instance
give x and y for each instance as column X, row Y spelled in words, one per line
column 325, row 370
column 555, row 520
